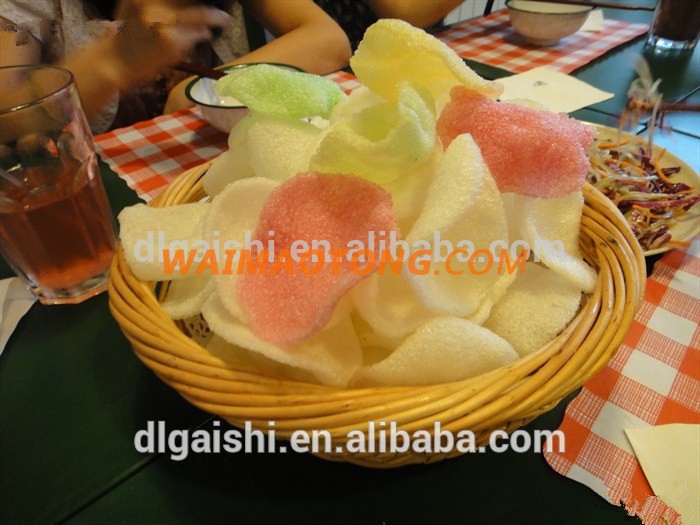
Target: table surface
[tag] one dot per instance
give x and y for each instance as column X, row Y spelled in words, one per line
column 73, row 395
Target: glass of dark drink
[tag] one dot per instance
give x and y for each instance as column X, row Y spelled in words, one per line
column 676, row 25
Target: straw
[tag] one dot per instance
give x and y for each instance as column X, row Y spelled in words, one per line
column 10, row 178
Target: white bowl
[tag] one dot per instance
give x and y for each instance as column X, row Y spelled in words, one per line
column 221, row 112
column 544, row 23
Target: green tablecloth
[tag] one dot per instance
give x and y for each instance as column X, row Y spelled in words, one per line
column 73, row 395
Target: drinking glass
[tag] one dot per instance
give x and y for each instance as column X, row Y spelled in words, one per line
column 676, row 25
column 57, row 231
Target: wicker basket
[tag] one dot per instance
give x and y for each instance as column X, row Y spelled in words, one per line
column 506, row 398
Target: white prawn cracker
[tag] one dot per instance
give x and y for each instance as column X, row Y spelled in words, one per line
column 262, row 146
column 232, row 214
column 332, row 355
column 146, row 231
column 234, row 163
column 186, row 296
column 551, row 227
column 443, row 349
column 235, row 211
column 389, row 306
column 535, row 309
column 357, row 101
column 279, row 149
column 464, row 206
column 393, row 51
column 241, row 359
column 458, row 183
column 408, row 192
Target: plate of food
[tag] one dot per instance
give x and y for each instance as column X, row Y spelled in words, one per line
column 655, row 190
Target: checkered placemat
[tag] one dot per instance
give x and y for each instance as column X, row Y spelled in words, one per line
column 654, row 379
column 491, row 40
column 150, row 154
column 345, row 80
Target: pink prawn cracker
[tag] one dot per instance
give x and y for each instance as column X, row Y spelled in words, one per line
column 531, row 152
column 286, row 306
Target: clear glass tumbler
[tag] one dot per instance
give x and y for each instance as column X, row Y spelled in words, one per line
column 57, row 231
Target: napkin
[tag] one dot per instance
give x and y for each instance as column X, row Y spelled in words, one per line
column 554, row 90
column 595, row 22
column 15, row 301
column 670, row 458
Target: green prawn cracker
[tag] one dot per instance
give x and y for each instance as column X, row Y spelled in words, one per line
column 281, row 92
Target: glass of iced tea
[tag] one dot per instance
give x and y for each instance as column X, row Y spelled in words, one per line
column 56, row 227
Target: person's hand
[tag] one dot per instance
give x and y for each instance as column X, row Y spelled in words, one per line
column 160, row 35
column 177, row 99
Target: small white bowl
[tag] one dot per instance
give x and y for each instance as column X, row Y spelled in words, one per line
column 544, row 23
column 221, row 112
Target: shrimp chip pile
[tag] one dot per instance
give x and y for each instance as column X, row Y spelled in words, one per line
column 388, row 237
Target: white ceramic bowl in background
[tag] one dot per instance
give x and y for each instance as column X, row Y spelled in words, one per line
column 544, row 23
column 221, row 112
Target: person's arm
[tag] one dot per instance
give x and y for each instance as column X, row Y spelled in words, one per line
column 17, row 46
column 420, row 13
column 158, row 35
column 90, row 68
column 306, row 37
column 141, row 48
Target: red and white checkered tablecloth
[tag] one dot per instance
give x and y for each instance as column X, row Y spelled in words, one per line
column 347, row 81
column 151, row 154
column 491, row 40
column 654, row 379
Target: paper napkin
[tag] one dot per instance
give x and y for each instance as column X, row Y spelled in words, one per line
column 595, row 22
column 555, row 91
column 670, row 458
column 15, row 301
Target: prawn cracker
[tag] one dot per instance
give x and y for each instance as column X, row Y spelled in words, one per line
column 393, row 51
column 281, row 92
column 145, row 231
column 442, row 350
column 311, row 210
